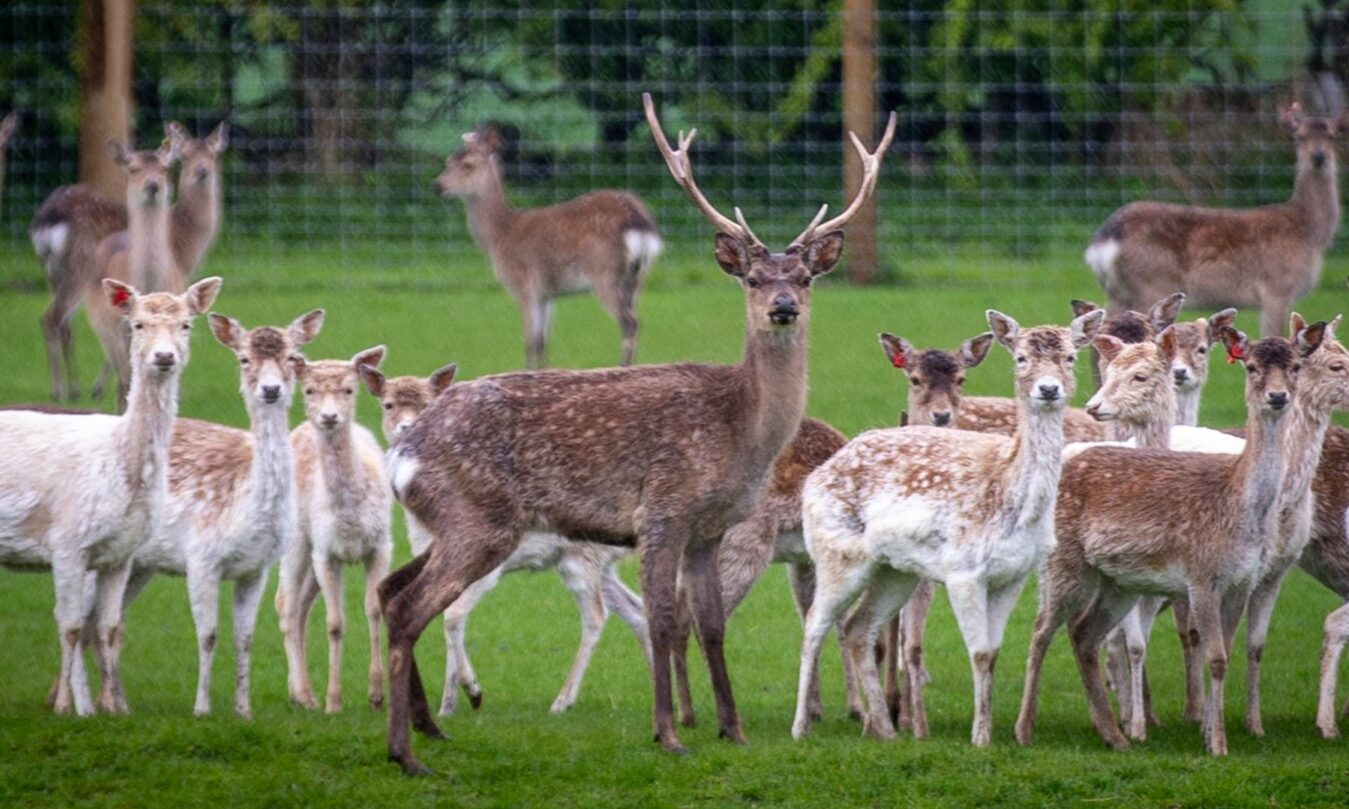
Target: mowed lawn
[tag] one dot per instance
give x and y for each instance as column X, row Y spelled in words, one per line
column 512, row 751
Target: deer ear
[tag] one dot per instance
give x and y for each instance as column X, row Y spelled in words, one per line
column 1295, row 324
column 372, row 379
column 175, row 131
column 219, row 140
column 1163, row 313
column 202, row 294
column 1081, row 307
column 1235, row 342
column 1004, row 328
column 1291, row 116
column 1166, row 341
column 168, row 152
column 1218, row 321
column 488, row 137
column 973, row 350
column 441, row 379
column 1108, row 346
column 897, row 349
column 371, row 356
column 1333, row 327
column 305, row 328
column 227, row 331
column 1310, row 338
column 824, row 252
column 732, row 255
column 119, row 152
column 1084, row 328
column 121, row 296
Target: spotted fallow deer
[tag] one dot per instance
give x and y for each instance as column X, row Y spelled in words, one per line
column 82, row 493
column 604, row 241
column 1114, row 544
column 1264, row 258
column 8, row 126
column 970, row 510
column 75, row 219
column 687, row 450
column 587, row 569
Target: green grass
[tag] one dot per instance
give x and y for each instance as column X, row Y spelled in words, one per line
column 523, row 635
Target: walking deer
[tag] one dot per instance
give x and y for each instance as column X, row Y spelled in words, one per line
column 970, row 510
column 1114, row 544
column 345, row 508
column 75, row 219
column 587, row 569
column 82, row 493
column 1264, row 258
column 604, row 241
column 687, row 449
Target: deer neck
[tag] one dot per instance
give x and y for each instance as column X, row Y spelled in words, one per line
column 1031, row 473
column 1303, row 437
column 1317, row 194
column 1187, row 407
column 489, row 213
column 1259, row 475
column 337, row 458
column 273, row 473
column 195, row 221
column 150, row 255
column 146, row 429
column 773, row 380
column 1151, row 432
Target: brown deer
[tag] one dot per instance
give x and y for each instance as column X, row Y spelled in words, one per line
column 1264, row 258
column 8, row 126
column 75, row 219
column 1115, row 544
column 1326, row 558
column 686, row 448
column 604, row 241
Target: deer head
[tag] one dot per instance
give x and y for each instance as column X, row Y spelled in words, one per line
column 1272, row 366
column 1137, row 380
column 403, row 398
column 269, row 357
column 161, row 323
column 1315, row 138
column 936, row 377
column 469, row 170
column 777, row 284
column 330, row 389
column 147, row 173
column 200, row 156
column 1043, row 357
column 1189, row 368
column 1135, row 327
column 1323, row 381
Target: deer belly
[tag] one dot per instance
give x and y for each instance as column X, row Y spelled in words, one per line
column 573, row 279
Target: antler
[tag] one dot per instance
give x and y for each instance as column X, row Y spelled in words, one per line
column 871, row 169
column 678, row 162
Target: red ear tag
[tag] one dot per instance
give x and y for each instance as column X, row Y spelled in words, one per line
column 1235, row 353
column 120, row 296
column 897, row 360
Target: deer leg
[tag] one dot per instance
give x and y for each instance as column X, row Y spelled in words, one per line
column 538, row 315
column 294, row 580
column 1056, row 602
column 838, row 580
column 709, row 619
column 659, row 549
column 1274, row 315
column 627, row 317
column 1336, row 635
column 110, row 587
column 101, row 380
column 247, row 597
column 914, row 629
column 679, row 656
column 881, row 601
column 628, row 605
column 329, row 572
column 56, row 335
column 72, row 690
column 203, row 589
column 891, row 652
column 1260, row 609
column 1194, row 666
column 376, row 568
column 584, row 579
column 801, row 578
column 1088, row 632
column 1208, row 612
column 420, row 709
column 1126, row 673
column 1148, row 609
column 459, row 671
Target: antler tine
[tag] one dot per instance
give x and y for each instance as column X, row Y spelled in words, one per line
column 740, row 217
column 871, row 169
column 682, row 171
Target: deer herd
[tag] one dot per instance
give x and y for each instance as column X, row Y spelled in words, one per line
column 707, row 472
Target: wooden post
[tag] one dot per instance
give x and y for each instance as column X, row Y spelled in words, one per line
column 859, row 115
column 105, row 99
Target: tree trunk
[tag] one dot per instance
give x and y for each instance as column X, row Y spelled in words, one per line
column 859, row 115
column 105, row 103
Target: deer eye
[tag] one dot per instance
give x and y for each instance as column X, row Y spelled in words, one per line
column 1071, row 359
column 187, row 327
column 388, row 405
column 915, row 381
column 752, row 282
column 138, row 326
column 1140, row 377
column 346, row 391
column 960, row 380
column 1202, row 351
column 1337, row 367
column 308, row 391
column 1020, row 359
column 1250, row 369
column 243, row 360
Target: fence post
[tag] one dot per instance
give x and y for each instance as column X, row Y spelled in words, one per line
column 859, row 115
column 105, row 94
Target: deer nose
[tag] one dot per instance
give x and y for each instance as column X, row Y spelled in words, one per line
column 941, row 419
column 1049, row 392
column 152, row 188
column 1180, row 375
column 1318, row 158
column 784, row 310
column 202, row 174
column 165, row 359
column 1277, row 399
column 1094, row 409
column 270, row 393
column 328, row 419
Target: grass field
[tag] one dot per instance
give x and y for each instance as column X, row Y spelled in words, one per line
column 512, row 752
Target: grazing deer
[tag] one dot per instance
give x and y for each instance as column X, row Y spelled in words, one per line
column 603, row 241
column 75, row 219
column 82, row 493
column 1264, row 258
column 970, row 510
column 1115, row 544
column 345, row 507
column 687, row 449
column 8, row 126
column 586, row 568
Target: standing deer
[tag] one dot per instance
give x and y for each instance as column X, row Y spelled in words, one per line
column 686, row 449
column 586, row 568
column 1115, row 544
column 970, row 510
column 1326, row 558
column 8, row 126
column 1264, row 258
column 75, row 219
column 604, row 241
column 82, row 493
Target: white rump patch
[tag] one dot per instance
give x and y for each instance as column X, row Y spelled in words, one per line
column 643, row 247
column 1100, row 256
column 402, row 469
column 50, row 243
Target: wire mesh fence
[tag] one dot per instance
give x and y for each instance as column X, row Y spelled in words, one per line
column 1022, row 124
